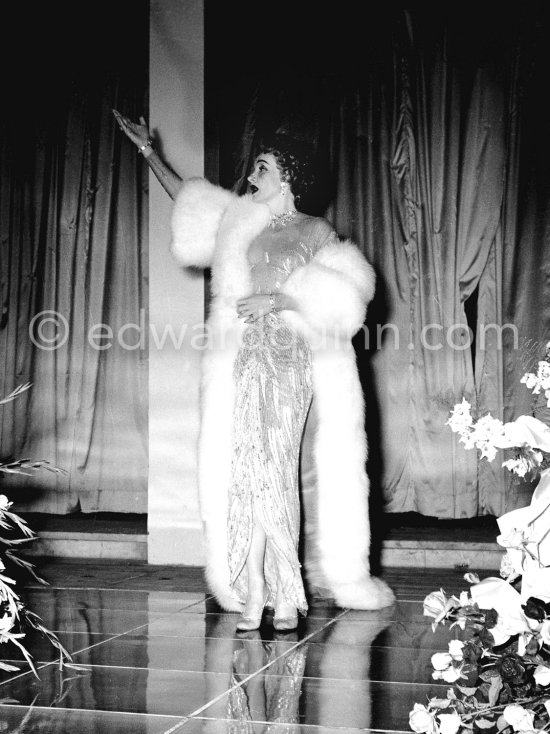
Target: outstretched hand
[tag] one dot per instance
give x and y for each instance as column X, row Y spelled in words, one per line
column 137, row 132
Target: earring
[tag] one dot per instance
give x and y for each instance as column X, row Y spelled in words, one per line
column 283, row 188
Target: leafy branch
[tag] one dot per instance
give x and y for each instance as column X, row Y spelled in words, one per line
column 15, row 618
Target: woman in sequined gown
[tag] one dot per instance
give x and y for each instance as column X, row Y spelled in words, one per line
column 273, row 392
column 300, row 281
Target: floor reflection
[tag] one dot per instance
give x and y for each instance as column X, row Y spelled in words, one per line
column 35, row 720
column 272, row 697
column 275, row 693
column 171, row 662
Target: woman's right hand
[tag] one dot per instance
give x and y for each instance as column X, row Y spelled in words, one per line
column 137, row 132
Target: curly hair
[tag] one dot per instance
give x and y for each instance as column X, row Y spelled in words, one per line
column 294, row 160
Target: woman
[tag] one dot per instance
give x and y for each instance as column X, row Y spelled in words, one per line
column 287, row 298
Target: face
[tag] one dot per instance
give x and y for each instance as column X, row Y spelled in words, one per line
column 264, row 183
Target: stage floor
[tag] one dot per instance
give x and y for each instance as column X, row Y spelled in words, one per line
column 159, row 656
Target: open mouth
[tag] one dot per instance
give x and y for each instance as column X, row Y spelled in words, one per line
column 252, row 189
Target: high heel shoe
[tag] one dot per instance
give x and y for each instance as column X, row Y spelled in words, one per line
column 251, row 622
column 285, row 624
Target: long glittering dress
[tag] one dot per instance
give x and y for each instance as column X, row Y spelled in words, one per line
column 273, row 394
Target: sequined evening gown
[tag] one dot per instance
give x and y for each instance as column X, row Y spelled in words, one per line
column 273, row 394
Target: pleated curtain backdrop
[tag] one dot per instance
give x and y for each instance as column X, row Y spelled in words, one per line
column 431, row 126
column 433, row 132
column 73, row 257
column 443, row 163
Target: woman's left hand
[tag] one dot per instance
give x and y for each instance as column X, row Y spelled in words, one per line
column 137, row 132
column 253, row 307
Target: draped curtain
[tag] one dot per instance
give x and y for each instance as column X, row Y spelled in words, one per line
column 73, row 260
column 430, row 129
column 441, row 158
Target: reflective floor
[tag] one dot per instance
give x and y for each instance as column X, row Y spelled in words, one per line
column 156, row 654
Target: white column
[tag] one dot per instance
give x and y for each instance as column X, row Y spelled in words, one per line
column 176, row 296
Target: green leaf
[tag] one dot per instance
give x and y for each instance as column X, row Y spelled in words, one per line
column 484, row 723
column 27, row 656
column 83, row 668
column 439, row 703
column 467, row 691
column 494, row 690
column 5, row 666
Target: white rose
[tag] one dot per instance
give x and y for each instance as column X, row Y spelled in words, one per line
column 5, row 504
column 455, row 649
column 542, row 675
column 421, row 720
column 435, row 604
column 441, row 660
column 519, row 718
column 449, row 723
column 450, row 675
column 438, row 606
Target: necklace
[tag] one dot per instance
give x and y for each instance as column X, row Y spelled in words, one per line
column 281, row 220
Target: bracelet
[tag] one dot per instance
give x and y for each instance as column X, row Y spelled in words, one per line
column 272, row 302
column 148, row 144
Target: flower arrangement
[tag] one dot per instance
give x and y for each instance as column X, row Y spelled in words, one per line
column 527, row 436
column 499, row 665
column 15, row 618
column 500, row 672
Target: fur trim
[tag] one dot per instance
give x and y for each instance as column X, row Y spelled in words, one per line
column 346, row 257
column 370, row 593
column 340, row 456
column 333, row 290
column 197, row 213
column 217, row 578
column 215, row 449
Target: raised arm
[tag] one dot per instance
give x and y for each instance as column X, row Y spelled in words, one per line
column 139, row 135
